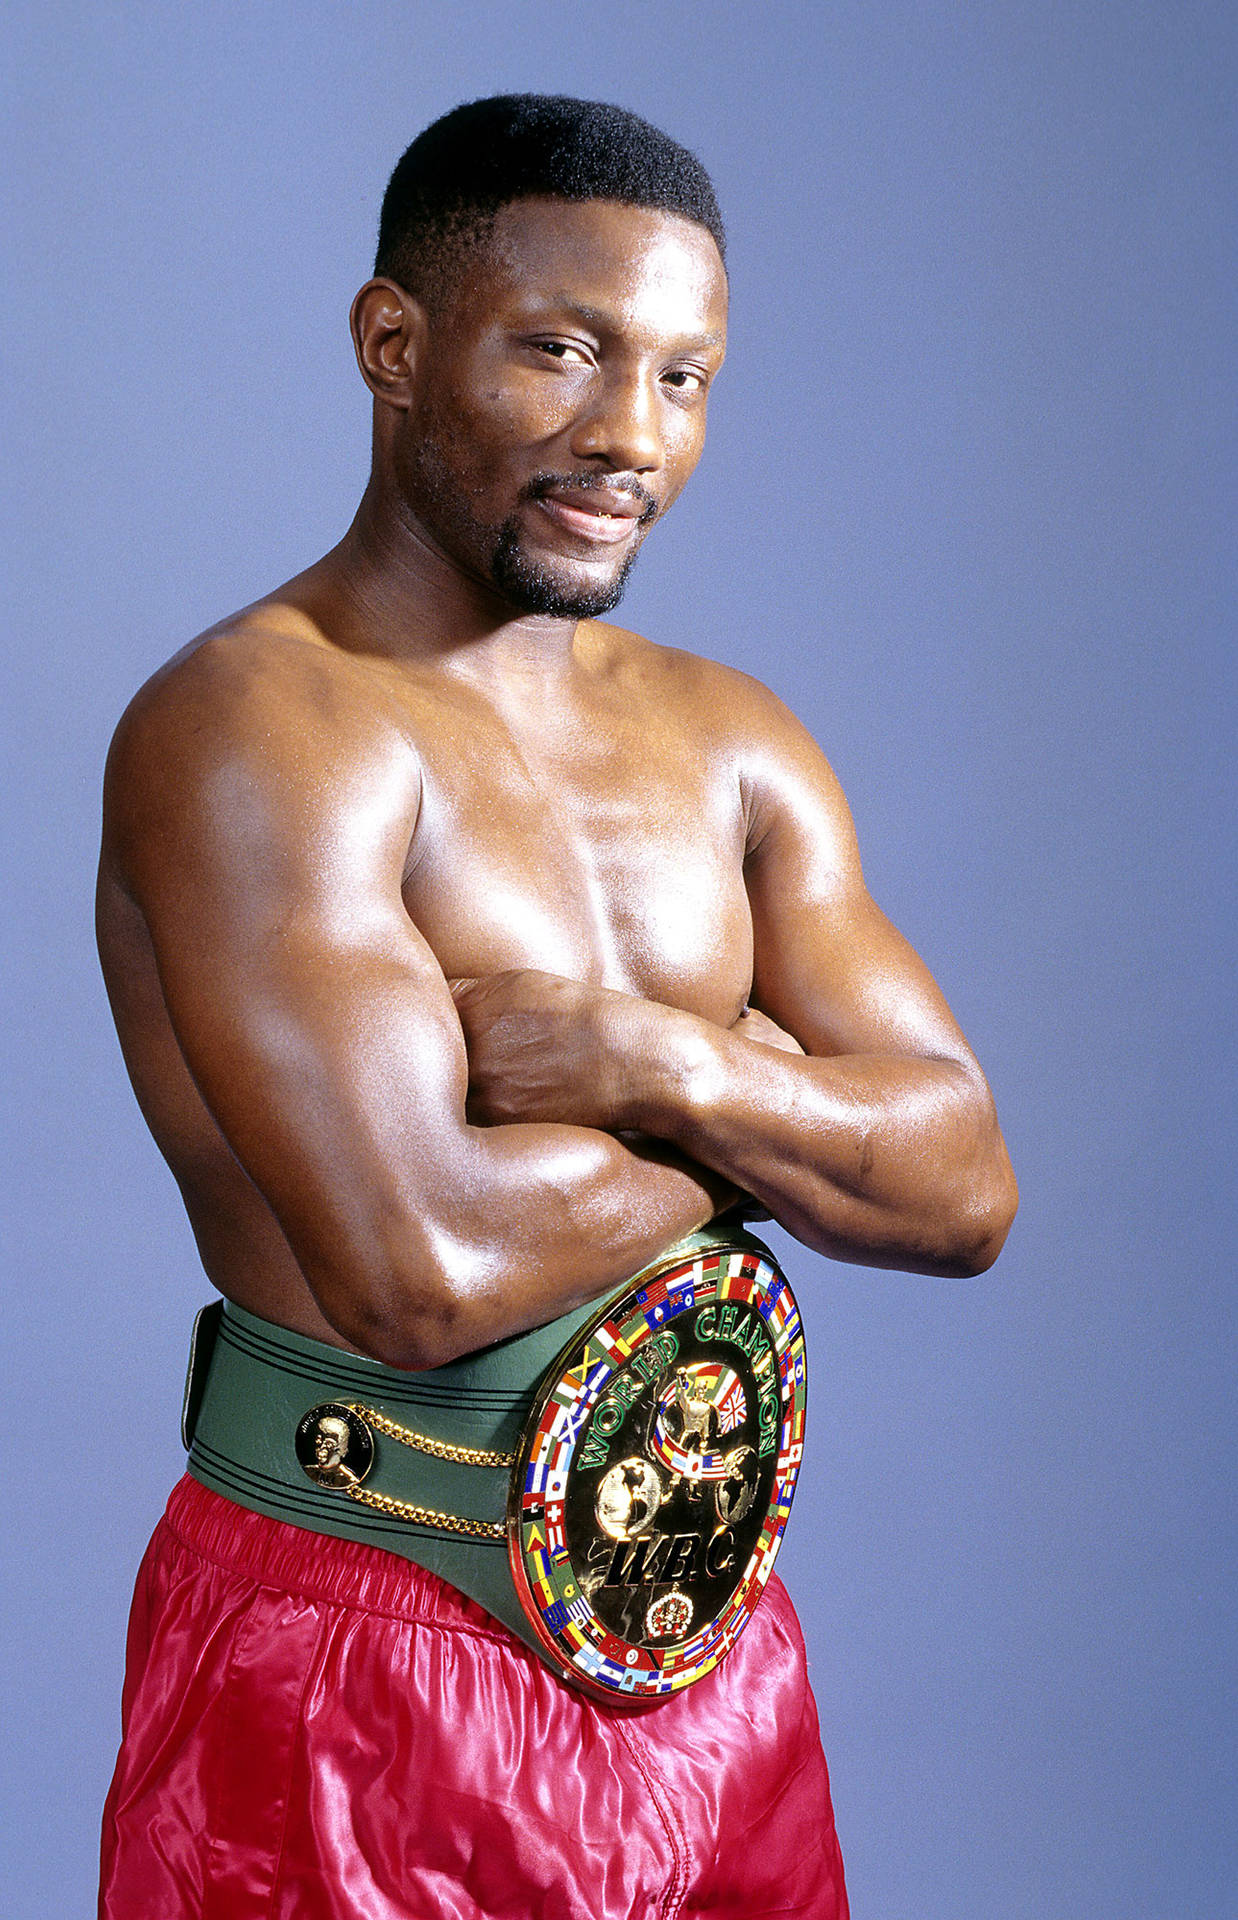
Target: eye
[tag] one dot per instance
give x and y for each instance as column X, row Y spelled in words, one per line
column 685, row 380
column 568, row 352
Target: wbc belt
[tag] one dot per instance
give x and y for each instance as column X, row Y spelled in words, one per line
column 613, row 1487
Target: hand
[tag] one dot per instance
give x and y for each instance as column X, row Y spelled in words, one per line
column 542, row 1047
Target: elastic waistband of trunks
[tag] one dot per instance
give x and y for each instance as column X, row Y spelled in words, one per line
column 343, row 1573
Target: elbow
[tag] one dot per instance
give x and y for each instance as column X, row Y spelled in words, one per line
column 983, row 1218
column 412, row 1334
column 983, row 1195
column 413, row 1314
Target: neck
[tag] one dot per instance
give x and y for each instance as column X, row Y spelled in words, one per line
column 389, row 588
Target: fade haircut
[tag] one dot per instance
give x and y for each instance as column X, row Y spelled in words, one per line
column 441, row 200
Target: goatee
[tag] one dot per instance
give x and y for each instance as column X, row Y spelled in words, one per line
column 533, row 588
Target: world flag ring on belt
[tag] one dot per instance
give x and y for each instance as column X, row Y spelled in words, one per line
column 655, row 1474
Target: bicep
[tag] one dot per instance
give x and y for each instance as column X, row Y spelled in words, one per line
column 829, row 966
column 310, row 1012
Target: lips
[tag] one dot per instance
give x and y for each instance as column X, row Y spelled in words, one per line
column 604, row 516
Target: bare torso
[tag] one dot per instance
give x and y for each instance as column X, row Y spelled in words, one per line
column 601, row 837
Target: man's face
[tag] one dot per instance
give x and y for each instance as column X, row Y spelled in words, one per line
column 560, row 407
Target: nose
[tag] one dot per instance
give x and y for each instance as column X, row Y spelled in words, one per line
column 621, row 426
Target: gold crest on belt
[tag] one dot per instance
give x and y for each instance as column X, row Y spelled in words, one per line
column 653, row 1483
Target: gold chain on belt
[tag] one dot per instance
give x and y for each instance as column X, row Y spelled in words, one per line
column 441, row 1450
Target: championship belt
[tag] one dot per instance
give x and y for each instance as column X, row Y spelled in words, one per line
column 646, row 1480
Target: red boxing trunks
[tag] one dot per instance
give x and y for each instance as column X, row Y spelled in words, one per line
column 315, row 1729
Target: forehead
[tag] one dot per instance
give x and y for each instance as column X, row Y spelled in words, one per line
column 633, row 264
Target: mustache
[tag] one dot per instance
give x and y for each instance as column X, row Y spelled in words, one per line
column 626, row 483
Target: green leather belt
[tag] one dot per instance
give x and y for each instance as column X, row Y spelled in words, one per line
column 613, row 1487
column 251, row 1384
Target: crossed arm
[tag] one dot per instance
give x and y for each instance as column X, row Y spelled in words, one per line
column 850, row 1106
column 260, row 821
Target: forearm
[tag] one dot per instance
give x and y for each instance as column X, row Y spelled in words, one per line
column 534, row 1221
column 888, row 1160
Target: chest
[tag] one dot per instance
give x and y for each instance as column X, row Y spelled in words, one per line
column 610, row 852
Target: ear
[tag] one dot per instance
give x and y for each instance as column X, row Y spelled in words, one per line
column 388, row 332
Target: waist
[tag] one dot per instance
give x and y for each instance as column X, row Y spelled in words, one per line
column 313, row 1567
column 613, row 1487
column 252, row 1385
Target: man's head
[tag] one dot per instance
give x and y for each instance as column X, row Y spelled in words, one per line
column 331, row 1440
column 549, row 310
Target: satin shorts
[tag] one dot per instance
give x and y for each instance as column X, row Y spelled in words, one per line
column 317, row 1730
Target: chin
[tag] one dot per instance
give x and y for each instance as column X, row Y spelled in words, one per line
column 535, row 586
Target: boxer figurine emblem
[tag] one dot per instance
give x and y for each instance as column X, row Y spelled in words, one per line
column 334, row 1446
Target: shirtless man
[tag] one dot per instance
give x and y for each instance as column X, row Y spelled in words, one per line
column 466, row 952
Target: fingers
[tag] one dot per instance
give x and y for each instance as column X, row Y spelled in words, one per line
column 752, row 1024
column 510, row 981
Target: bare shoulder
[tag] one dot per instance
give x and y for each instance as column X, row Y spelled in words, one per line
column 715, row 694
column 265, row 662
column 748, row 729
column 260, row 706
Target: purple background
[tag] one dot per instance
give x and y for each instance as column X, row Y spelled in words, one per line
column 963, row 507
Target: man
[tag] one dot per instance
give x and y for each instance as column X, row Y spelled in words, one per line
column 467, row 952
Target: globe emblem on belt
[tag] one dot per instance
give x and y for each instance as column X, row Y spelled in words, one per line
column 627, row 1498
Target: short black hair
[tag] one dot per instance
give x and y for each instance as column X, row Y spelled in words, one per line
column 446, row 189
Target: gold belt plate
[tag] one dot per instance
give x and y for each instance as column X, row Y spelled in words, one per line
column 655, row 1475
